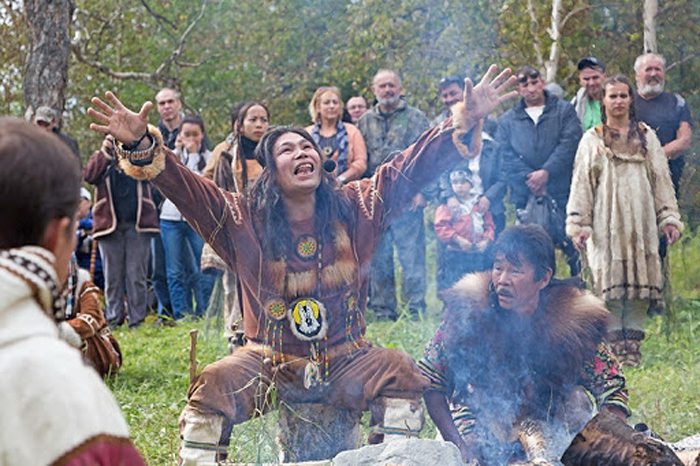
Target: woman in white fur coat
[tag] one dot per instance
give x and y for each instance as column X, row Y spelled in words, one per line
column 621, row 201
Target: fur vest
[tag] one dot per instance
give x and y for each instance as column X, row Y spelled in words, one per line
column 512, row 368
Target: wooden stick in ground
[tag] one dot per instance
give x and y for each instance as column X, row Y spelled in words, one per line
column 193, row 354
column 93, row 259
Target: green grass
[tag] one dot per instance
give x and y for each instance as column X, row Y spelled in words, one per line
column 152, row 385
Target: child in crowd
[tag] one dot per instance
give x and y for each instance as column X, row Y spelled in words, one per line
column 465, row 231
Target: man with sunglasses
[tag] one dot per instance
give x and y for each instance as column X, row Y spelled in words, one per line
column 538, row 140
column 591, row 75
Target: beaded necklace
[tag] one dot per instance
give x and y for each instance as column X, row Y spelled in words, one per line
column 296, row 304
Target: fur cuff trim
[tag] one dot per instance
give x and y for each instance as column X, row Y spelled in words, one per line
column 462, row 126
column 157, row 165
column 671, row 220
column 572, row 230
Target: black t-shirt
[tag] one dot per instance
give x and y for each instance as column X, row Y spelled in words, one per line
column 664, row 114
column 328, row 145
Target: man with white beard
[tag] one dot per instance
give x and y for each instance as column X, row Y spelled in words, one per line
column 667, row 113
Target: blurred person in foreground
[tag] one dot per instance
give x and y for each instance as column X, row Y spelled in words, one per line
column 56, row 409
column 519, row 356
column 621, row 201
column 301, row 246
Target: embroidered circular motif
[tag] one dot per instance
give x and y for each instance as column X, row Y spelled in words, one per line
column 308, row 319
column 276, row 308
column 306, row 247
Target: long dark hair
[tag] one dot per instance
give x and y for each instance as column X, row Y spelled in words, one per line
column 238, row 134
column 266, row 199
column 635, row 137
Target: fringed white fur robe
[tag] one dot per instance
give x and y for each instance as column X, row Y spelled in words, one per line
column 56, row 409
column 624, row 200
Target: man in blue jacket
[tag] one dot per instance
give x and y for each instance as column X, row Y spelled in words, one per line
column 538, row 139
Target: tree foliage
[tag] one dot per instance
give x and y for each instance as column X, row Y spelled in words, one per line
column 219, row 52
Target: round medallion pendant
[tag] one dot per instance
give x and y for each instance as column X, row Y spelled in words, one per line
column 276, row 308
column 308, row 319
column 307, row 247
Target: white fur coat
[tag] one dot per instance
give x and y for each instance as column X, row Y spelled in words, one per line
column 623, row 200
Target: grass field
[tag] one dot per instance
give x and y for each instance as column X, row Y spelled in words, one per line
column 152, row 385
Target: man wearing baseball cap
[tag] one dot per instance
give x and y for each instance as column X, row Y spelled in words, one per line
column 47, row 119
column 591, row 75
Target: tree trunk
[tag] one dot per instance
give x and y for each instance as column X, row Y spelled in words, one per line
column 552, row 65
column 46, row 73
column 651, row 9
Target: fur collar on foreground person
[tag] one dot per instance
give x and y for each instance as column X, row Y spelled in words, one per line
column 506, row 360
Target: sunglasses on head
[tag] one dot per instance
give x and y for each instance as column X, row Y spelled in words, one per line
column 523, row 79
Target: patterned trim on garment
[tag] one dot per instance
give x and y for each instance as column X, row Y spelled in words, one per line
column 408, row 433
column 235, row 208
column 368, row 213
column 578, row 214
column 437, row 380
column 603, row 379
column 91, row 321
column 637, row 287
column 464, row 419
column 156, row 165
column 221, row 449
column 34, row 265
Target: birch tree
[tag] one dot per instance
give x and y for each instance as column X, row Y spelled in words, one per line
column 651, row 9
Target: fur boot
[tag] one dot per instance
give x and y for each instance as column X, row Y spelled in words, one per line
column 203, row 439
column 395, row 419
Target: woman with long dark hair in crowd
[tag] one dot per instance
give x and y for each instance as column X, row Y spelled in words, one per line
column 621, row 200
column 233, row 167
column 339, row 141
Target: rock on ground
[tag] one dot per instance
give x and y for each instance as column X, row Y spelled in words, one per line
column 409, row 452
